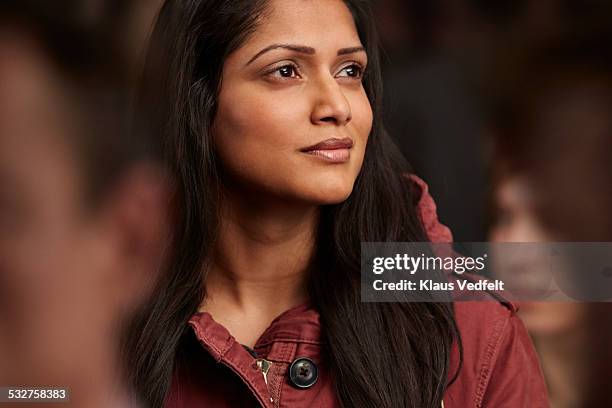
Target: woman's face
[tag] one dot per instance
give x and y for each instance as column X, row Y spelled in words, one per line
column 294, row 84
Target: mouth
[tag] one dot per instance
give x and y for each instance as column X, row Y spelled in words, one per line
column 331, row 150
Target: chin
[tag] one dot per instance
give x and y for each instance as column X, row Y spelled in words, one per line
column 330, row 191
column 542, row 320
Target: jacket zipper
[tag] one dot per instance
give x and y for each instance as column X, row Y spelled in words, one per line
column 264, row 365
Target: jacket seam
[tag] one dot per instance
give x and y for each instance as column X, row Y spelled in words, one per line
column 206, row 341
column 288, row 352
column 488, row 360
column 288, row 340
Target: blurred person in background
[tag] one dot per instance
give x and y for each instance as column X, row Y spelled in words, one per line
column 552, row 173
column 435, row 53
column 83, row 203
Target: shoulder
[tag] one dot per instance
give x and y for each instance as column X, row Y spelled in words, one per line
column 499, row 364
column 428, row 213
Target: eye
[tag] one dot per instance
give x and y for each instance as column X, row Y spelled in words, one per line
column 285, row 71
column 352, row 71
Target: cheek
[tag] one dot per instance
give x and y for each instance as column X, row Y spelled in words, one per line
column 257, row 139
column 362, row 120
column 259, row 118
column 362, row 115
column 276, row 123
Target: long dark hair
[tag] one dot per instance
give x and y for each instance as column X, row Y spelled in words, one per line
column 189, row 45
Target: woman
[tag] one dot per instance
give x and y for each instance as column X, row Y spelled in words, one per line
column 552, row 130
column 272, row 118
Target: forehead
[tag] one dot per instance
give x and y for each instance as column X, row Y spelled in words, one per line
column 321, row 24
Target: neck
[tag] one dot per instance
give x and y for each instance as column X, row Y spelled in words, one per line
column 564, row 362
column 261, row 258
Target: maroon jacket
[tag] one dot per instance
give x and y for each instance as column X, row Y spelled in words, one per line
column 500, row 367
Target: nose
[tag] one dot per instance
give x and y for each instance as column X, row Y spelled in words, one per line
column 331, row 105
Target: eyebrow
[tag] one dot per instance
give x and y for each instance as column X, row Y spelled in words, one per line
column 303, row 49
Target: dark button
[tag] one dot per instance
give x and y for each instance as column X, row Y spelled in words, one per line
column 303, row 372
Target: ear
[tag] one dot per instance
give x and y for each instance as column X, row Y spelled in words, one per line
column 138, row 214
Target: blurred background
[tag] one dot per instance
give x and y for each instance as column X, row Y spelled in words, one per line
column 83, row 197
column 504, row 107
column 440, row 59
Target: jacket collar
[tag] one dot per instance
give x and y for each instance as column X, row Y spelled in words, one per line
column 300, row 324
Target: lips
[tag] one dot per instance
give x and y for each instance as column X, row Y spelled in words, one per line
column 332, row 150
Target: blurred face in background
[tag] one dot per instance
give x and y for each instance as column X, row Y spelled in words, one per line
column 518, row 221
column 69, row 271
